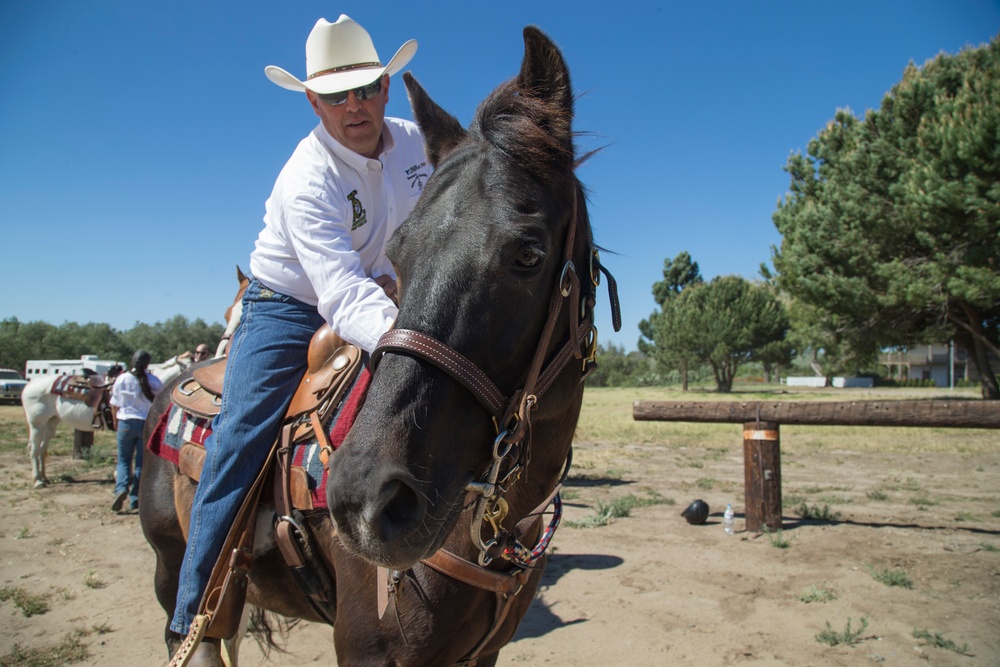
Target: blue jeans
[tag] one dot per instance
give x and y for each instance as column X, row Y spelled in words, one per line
column 267, row 359
column 130, row 447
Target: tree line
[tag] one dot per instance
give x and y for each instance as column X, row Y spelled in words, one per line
column 21, row 341
column 890, row 239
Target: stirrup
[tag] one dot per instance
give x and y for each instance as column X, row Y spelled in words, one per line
column 190, row 643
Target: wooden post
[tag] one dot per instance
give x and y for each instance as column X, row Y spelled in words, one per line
column 82, row 442
column 761, row 453
column 762, row 475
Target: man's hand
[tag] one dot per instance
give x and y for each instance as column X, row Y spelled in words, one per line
column 388, row 286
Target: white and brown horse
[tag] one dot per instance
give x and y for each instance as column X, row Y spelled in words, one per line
column 44, row 409
column 167, row 370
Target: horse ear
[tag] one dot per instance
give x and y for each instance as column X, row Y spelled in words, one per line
column 442, row 131
column 544, row 73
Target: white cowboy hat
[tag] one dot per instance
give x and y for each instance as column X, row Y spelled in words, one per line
column 340, row 56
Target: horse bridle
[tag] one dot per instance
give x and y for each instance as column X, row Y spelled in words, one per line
column 511, row 415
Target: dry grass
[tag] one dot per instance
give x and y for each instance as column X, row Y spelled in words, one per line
column 606, row 418
column 14, row 434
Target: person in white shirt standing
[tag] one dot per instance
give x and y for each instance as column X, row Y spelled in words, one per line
column 131, row 397
column 319, row 259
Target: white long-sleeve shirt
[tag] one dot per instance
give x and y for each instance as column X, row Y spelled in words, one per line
column 326, row 223
column 127, row 396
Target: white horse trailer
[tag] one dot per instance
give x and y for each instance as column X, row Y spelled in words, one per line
column 87, row 362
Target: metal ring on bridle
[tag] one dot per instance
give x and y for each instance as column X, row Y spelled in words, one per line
column 501, row 439
column 565, row 284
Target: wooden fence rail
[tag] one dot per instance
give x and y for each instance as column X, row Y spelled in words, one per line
column 761, row 439
column 950, row 414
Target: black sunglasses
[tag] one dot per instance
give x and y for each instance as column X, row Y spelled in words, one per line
column 362, row 93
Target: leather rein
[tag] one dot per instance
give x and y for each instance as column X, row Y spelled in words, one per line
column 511, row 417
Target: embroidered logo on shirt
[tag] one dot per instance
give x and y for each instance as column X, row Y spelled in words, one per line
column 360, row 215
column 416, row 177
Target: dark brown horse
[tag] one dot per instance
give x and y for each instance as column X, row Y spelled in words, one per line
column 437, row 493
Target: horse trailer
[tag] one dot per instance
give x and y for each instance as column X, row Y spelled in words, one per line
column 87, row 364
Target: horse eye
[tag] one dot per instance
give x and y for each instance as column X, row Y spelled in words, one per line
column 526, row 207
column 529, row 257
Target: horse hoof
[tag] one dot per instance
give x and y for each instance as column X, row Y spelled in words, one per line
column 40, row 484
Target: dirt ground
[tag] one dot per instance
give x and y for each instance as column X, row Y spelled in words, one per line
column 645, row 589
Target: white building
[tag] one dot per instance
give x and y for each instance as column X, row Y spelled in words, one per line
column 928, row 362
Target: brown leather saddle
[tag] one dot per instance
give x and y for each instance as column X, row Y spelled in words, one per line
column 93, row 391
column 332, row 363
column 332, row 366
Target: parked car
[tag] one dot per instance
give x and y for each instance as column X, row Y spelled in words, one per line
column 11, row 385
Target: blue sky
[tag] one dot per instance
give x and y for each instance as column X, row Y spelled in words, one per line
column 139, row 140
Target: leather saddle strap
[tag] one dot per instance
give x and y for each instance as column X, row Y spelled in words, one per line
column 325, row 448
column 237, row 552
column 283, row 501
column 304, row 568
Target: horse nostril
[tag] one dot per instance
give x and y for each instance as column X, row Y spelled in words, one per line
column 398, row 511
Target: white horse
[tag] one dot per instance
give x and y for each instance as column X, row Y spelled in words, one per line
column 172, row 367
column 44, row 410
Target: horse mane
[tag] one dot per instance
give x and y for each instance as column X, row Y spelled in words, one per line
column 534, row 134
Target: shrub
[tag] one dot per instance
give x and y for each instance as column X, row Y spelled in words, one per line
column 821, row 595
column 894, row 577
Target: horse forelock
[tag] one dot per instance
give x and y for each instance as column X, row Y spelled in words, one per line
column 534, row 133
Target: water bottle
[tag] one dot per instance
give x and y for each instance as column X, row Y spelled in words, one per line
column 727, row 520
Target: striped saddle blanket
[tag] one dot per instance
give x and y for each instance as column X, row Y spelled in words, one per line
column 179, row 431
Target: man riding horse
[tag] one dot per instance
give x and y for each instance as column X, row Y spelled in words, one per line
column 320, row 259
